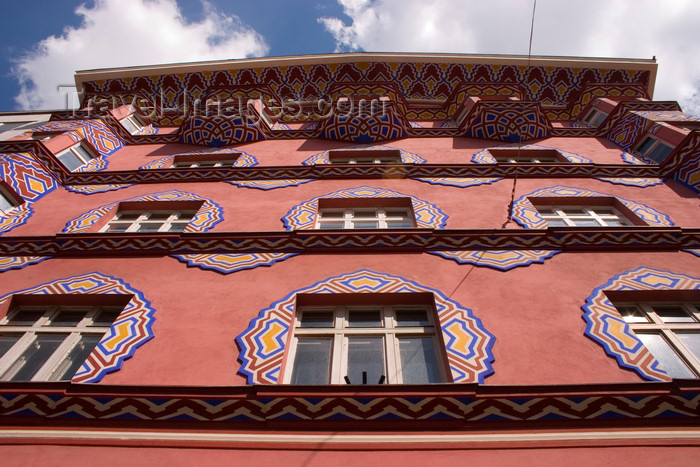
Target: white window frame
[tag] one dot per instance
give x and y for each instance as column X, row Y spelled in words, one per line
column 133, row 124
column 56, row 363
column 349, row 156
column 75, row 151
column 655, row 143
column 389, row 331
column 647, row 321
column 383, row 216
column 136, row 218
column 590, row 213
column 527, row 160
column 595, row 117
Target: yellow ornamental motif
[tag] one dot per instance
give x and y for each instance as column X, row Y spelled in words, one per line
column 461, row 342
column 617, row 329
column 120, row 332
column 269, row 339
column 364, row 282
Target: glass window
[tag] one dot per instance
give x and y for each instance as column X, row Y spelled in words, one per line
column 654, row 149
column 671, row 332
column 365, row 218
column 150, row 221
column 364, row 345
column 583, row 216
column 50, row 343
column 75, row 157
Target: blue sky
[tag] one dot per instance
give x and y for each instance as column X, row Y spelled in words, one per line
column 42, row 42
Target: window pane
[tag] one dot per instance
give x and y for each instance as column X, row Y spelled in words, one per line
column 158, row 216
column 331, row 225
column 365, row 319
column 399, row 224
column 331, row 214
column 418, row 360
column 412, row 318
column 365, row 354
column 667, row 357
column 660, row 153
column 83, row 153
column 312, row 361
column 5, row 203
column 130, row 127
column 178, row 227
column 127, row 216
column 75, row 357
column 149, row 227
column 25, row 317
column 7, row 341
column 673, row 314
column 632, row 314
column 646, row 144
column 70, row 160
column 316, row 319
column 365, row 225
column 106, row 316
column 67, row 317
column 585, row 223
column 118, row 227
column 365, row 213
column 692, row 341
column 556, row 223
column 34, row 357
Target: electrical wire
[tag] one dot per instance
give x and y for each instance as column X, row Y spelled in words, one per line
column 517, row 161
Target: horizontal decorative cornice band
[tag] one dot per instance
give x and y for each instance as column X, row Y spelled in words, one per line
column 257, row 406
column 388, row 241
column 362, row 171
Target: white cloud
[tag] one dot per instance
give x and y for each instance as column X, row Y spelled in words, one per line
column 595, row 28
column 117, row 33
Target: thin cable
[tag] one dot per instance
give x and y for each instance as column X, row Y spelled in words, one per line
column 517, row 163
column 509, row 214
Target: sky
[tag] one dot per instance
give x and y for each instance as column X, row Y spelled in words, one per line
column 43, row 42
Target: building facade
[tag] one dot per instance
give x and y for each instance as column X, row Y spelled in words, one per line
column 353, row 258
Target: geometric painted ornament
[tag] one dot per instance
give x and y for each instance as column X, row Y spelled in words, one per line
column 467, row 344
column 131, row 329
column 605, row 325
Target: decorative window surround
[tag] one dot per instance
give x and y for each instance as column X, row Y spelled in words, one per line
column 490, row 155
column 131, row 329
column 26, row 181
column 133, row 219
column 303, row 216
column 606, row 326
column 206, row 217
column 355, row 151
column 467, row 344
column 527, row 215
column 242, row 158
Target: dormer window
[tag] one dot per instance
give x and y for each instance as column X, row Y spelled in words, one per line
column 654, row 149
column 7, row 200
column 133, row 124
column 595, row 117
column 75, row 156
